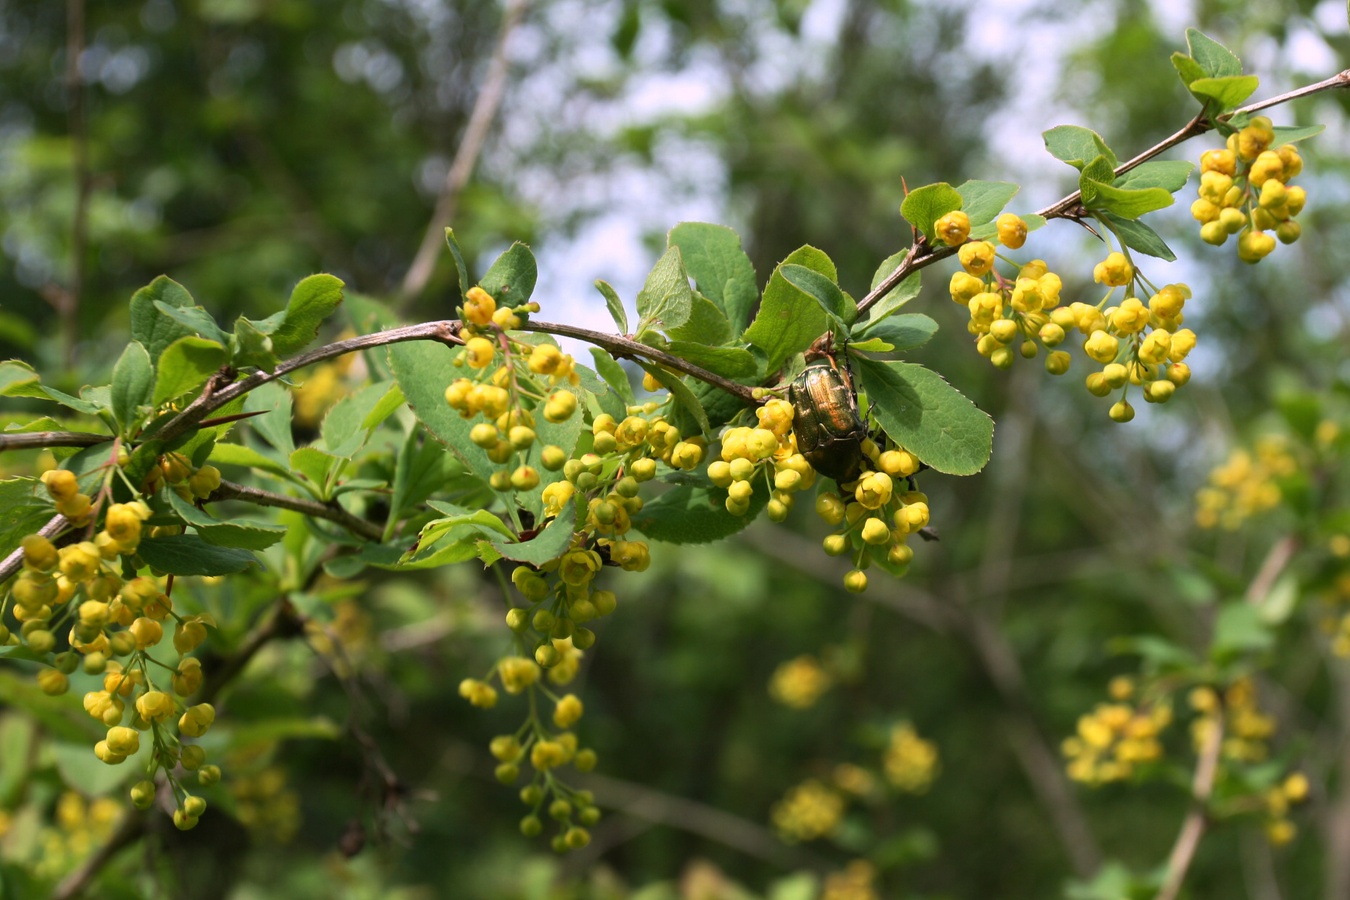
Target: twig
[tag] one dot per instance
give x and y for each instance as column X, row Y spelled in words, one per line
column 922, row 255
column 997, row 660
column 284, row 622
column 229, row 490
column 708, row 822
column 11, row 564
column 43, row 439
column 1193, row 826
column 130, row 829
column 69, row 304
column 466, row 157
column 624, row 347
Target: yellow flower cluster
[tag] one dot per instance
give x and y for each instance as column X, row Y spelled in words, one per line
column 799, row 683
column 1008, row 316
column 856, row 881
column 1247, row 730
column 879, row 516
column 750, row 453
column 78, row 827
column 807, row 811
column 530, row 380
column 266, row 805
column 1245, row 190
column 1115, row 738
column 1245, row 485
column 1292, row 791
column 114, row 624
column 910, row 763
column 1135, row 343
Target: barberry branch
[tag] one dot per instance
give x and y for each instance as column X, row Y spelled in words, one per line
column 229, row 490
column 922, row 254
column 1197, row 819
column 130, row 829
column 626, row 348
column 44, row 439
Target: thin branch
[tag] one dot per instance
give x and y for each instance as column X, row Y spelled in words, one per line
column 11, row 564
column 1277, row 559
column 1196, row 821
column 708, row 822
column 627, row 348
column 999, row 663
column 229, row 490
column 466, row 157
column 69, row 306
column 42, row 439
column 130, row 829
column 214, row 397
column 922, row 254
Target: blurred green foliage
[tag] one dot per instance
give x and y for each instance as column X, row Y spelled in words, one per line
column 240, row 145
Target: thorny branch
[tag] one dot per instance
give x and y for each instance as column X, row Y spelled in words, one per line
column 922, row 254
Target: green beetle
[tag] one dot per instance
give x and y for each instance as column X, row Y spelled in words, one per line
column 825, row 418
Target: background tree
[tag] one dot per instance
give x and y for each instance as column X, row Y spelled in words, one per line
column 240, row 146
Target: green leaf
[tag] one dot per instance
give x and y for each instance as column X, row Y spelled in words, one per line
column 240, row 455
column 423, row 468
column 132, row 380
column 252, row 346
column 239, row 533
column 311, row 302
column 1216, row 59
column 983, row 200
column 546, row 545
column 86, row 406
column 1077, row 146
column 1227, row 92
column 706, row 325
column 695, row 513
column 904, row 332
column 189, row 554
column 19, row 379
column 614, row 305
column 1099, row 193
column 665, row 299
column 1125, row 204
column 927, row 416
column 316, row 467
column 789, row 319
column 345, row 423
column 274, row 425
column 1239, row 629
column 722, row 272
column 897, row 296
column 923, row 206
column 457, row 259
column 1289, row 134
column 826, row 292
column 729, row 362
column 686, row 398
column 185, row 365
column 510, row 279
column 149, row 325
column 22, row 511
column 1168, row 174
column 1188, row 69
column 195, row 318
column 614, row 375
column 424, row 370
column 1138, row 236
